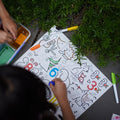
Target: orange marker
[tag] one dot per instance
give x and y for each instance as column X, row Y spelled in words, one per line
column 35, row 47
column 39, row 45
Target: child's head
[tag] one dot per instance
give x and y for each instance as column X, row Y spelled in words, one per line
column 23, row 95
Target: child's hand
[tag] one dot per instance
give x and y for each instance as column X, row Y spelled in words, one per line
column 59, row 90
column 5, row 37
column 10, row 26
column 60, row 93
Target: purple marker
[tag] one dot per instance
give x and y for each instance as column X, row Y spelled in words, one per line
column 51, row 82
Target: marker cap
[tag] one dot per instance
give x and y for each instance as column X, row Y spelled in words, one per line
column 113, row 78
column 72, row 28
column 51, row 82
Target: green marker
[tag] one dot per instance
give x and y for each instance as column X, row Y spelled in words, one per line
column 114, row 87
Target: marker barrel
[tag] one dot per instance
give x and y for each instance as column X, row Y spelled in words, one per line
column 116, row 94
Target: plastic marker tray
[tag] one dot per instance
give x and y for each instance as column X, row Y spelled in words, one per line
column 9, row 51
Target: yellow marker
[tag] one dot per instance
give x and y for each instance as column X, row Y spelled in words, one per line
column 67, row 29
column 72, row 28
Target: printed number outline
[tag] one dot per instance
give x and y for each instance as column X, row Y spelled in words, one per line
column 92, row 85
column 54, row 71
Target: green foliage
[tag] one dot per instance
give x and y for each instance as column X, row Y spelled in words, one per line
column 47, row 12
column 99, row 32
column 118, row 78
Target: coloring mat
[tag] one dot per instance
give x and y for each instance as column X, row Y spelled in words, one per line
column 85, row 83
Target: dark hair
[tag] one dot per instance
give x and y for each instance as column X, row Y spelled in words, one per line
column 23, row 95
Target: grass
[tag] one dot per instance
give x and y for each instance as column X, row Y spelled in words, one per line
column 98, row 33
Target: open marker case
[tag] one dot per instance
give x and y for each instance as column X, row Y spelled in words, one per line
column 9, row 50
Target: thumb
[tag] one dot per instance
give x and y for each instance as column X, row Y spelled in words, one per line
column 13, row 33
column 51, row 86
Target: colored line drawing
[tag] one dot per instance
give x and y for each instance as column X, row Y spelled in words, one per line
column 79, row 75
column 103, row 83
column 53, row 62
column 29, row 66
column 92, row 86
column 53, row 72
column 95, row 75
column 65, row 49
column 97, row 89
column 64, row 75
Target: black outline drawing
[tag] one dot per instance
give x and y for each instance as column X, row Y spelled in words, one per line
column 103, row 83
column 85, row 67
column 66, row 50
column 95, row 75
column 64, row 73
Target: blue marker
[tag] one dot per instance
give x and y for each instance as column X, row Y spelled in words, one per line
column 51, row 82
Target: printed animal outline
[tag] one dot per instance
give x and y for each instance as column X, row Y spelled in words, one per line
column 51, row 48
column 80, row 75
column 95, row 75
column 65, row 49
column 75, row 91
column 85, row 67
column 24, row 62
column 64, row 75
column 103, row 83
column 85, row 100
column 49, row 37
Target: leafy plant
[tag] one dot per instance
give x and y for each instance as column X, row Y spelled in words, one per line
column 100, row 30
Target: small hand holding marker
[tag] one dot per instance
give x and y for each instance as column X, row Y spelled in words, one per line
column 60, row 91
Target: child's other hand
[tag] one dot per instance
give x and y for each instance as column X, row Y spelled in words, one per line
column 5, row 37
column 59, row 90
